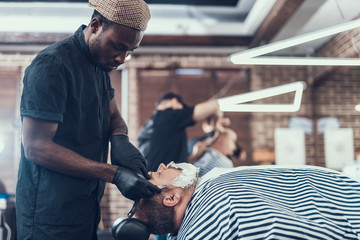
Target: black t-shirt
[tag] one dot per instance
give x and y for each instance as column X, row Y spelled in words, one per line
column 163, row 137
column 62, row 85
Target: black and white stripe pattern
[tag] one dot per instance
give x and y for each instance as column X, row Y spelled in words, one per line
column 274, row 203
column 210, row 160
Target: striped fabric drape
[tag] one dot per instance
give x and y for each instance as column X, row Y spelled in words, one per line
column 274, row 203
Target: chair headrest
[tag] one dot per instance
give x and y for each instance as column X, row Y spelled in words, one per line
column 130, row 229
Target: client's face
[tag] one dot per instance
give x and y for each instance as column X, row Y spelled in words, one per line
column 164, row 175
column 179, row 175
column 160, row 217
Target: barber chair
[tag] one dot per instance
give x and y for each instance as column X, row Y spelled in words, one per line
column 129, row 229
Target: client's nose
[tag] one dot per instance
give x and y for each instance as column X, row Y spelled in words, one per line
column 162, row 166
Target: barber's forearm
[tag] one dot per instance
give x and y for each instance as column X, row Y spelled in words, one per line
column 60, row 159
column 118, row 125
column 206, row 109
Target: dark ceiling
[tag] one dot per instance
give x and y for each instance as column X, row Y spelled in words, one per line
column 191, row 26
column 229, row 39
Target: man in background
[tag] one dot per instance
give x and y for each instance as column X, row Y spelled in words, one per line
column 163, row 138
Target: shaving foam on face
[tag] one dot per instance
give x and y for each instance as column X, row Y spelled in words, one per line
column 188, row 176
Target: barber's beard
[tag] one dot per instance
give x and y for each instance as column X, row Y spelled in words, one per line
column 95, row 52
column 94, row 47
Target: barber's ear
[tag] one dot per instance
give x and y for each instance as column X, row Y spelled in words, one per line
column 171, row 199
column 95, row 24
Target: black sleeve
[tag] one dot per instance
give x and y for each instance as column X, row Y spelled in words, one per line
column 181, row 118
column 45, row 90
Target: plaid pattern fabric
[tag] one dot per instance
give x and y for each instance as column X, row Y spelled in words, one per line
column 130, row 13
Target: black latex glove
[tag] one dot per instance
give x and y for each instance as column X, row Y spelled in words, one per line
column 125, row 154
column 133, row 185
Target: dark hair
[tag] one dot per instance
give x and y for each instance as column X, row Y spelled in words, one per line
column 103, row 20
column 238, row 151
column 169, row 96
column 158, row 218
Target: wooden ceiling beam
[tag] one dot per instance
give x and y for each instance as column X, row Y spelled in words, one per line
column 31, row 38
column 278, row 16
column 148, row 40
column 187, row 40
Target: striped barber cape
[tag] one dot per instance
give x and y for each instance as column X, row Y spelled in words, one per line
column 273, row 202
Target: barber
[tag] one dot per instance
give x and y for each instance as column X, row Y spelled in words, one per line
column 69, row 114
column 163, row 138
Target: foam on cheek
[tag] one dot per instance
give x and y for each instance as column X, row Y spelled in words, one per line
column 188, row 174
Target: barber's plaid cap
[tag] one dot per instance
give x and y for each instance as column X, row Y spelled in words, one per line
column 130, row 13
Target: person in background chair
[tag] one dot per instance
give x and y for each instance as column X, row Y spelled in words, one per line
column 220, row 150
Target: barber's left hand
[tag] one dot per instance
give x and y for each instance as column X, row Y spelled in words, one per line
column 133, row 185
column 125, row 154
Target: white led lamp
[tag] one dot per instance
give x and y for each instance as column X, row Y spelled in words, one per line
column 357, row 107
column 2, row 146
column 237, row 103
column 251, row 56
column 299, row 61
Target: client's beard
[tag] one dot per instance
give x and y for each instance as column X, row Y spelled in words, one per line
column 160, row 218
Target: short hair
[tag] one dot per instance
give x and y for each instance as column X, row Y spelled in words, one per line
column 169, row 96
column 238, row 151
column 103, row 20
column 158, row 218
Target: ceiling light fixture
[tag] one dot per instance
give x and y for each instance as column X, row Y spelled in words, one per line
column 245, row 57
column 236, row 103
column 300, row 61
column 357, row 107
column 2, row 146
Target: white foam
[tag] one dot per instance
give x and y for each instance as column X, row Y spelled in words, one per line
column 188, row 176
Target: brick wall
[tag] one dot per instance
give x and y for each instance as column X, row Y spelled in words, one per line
column 331, row 91
column 337, row 96
column 263, row 125
column 336, row 89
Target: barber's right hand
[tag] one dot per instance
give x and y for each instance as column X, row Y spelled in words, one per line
column 125, row 154
column 133, row 185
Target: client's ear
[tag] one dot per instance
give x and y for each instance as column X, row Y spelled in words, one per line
column 171, row 199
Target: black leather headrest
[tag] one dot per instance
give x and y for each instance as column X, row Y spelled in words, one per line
column 129, row 229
